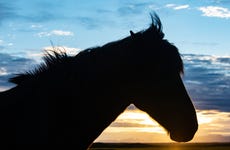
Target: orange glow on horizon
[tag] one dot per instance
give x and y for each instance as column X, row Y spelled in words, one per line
column 137, row 126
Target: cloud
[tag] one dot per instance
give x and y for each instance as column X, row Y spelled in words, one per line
column 4, row 85
column 177, row 7
column 56, row 33
column 213, row 127
column 1, row 42
column 181, row 7
column 39, row 17
column 170, row 5
column 128, row 124
column 89, row 22
column 129, row 10
column 135, row 121
column 62, row 33
column 3, row 71
column 215, row 11
column 204, row 43
column 11, row 65
column 96, row 21
column 37, row 56
column 4, row 44
column 36, row 26
column 67, row 50
column 135, row 8
column 207, row 79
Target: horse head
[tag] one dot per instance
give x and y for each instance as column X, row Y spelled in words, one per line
column 157, row 87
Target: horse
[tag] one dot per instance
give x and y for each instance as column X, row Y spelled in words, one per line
column 70, row 100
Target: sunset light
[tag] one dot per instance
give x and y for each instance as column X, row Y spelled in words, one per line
column 137, row 126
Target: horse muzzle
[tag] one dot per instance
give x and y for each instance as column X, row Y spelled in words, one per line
column 184, row 135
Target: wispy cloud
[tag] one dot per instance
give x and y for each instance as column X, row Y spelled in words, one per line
column 170, row 5
column 136, row 8
column 36, row 26
column 10, row 65
column 55, row 33
column 3, row 71
column 135, row 121
column 215, row 11
column 181, row 7
column 177, row 7
column 2, row 46
column 62, row 33
column 88, row 22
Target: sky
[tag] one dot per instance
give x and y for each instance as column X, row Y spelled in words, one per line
column 199, row 28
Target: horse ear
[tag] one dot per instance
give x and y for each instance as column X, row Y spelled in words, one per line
column 132, row 34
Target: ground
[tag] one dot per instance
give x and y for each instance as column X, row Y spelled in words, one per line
column 160, row 146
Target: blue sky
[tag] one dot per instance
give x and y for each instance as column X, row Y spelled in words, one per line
column 199, row 28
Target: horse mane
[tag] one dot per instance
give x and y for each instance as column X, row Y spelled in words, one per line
column 59, row 61
column 53, row 60
column 156, row 26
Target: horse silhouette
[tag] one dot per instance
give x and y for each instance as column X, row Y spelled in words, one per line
column 71, row 99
